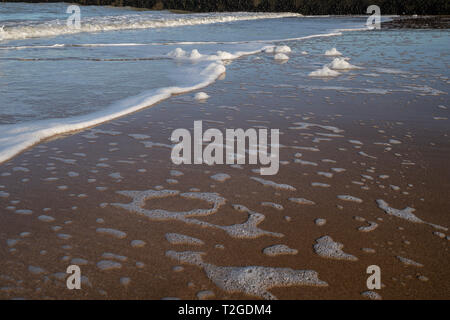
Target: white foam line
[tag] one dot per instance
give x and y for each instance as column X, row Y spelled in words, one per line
column 181, row 43
column 18, row 137
column 132, row 22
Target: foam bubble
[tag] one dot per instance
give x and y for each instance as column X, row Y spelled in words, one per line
column 203, row 295
column 325, row 72
column 306, row 163
column 350, row 198
column 4, row 194
column 201, row 96
column 409, row 262
column 79, row 261
column 341, row 64
column 372, row 295
column 12, row 242
column 106, row 265
column 140, row 197
column 302, row 201
column 125, row 281
column 274, row 184
column 278, row 250
column 221, row 177
column 282, row 49
column 333, row 52
column 175, row 238
column 25, row 212
column 137, row 243
column 307, row 125
column 113, row 256
column 176, row 173
column 320, row 185
column 320, row 222
column 372, row 226
column 248, row 229
column 406, row 214
column 325, row 174
column 36, row 270
column 45, row 218
column 327, row 248
column 281, row 57
column 272, row 205
column 251, row 280
column 112, row 232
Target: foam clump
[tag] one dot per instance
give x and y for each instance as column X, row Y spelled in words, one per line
column 206, row 294
column 4, row 194
column 125, row 281
column 138, row 243
column 302, row 201
column 176, row 173
column 282, row 49
column 327, row 248
column 201, row 96
column 308, row 125
column 372, row 295
column 112, row 232
column 179, row 53
column 371, row 227
column 175, row 238
column 106, row 265
column 223, row 55
column 45, row 218
column 333, row 52
column 409, row 262
column 278, row 49
column 251, row 280
column 341, row 64
column 274, row 184
column 350, row 198
column 278, row 250
column 248, row 229
column 320, row 222
column 138, row 136
column 324, row 73
column 79, row 261
column 406, row 214
column 113, row 256
column 276, row 206
column 25, row 212
column 36, row 270
column 12, row 242
column 220, row 177
column 140, row 198
column 281, row 57
column 244, row 230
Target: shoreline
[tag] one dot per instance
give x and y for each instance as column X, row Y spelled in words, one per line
column 418, row 22
column 67, row 213
column 363, row 173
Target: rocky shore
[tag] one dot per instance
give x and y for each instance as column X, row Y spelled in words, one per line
column 418, row 22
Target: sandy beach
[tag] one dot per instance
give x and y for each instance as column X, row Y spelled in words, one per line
column 89, row 178
column 59, row 202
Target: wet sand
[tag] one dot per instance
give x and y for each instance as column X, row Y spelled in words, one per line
column 58, row 203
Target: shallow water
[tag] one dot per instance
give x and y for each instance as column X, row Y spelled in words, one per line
column 55, row 79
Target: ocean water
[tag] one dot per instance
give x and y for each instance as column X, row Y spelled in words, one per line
column 55, row 79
